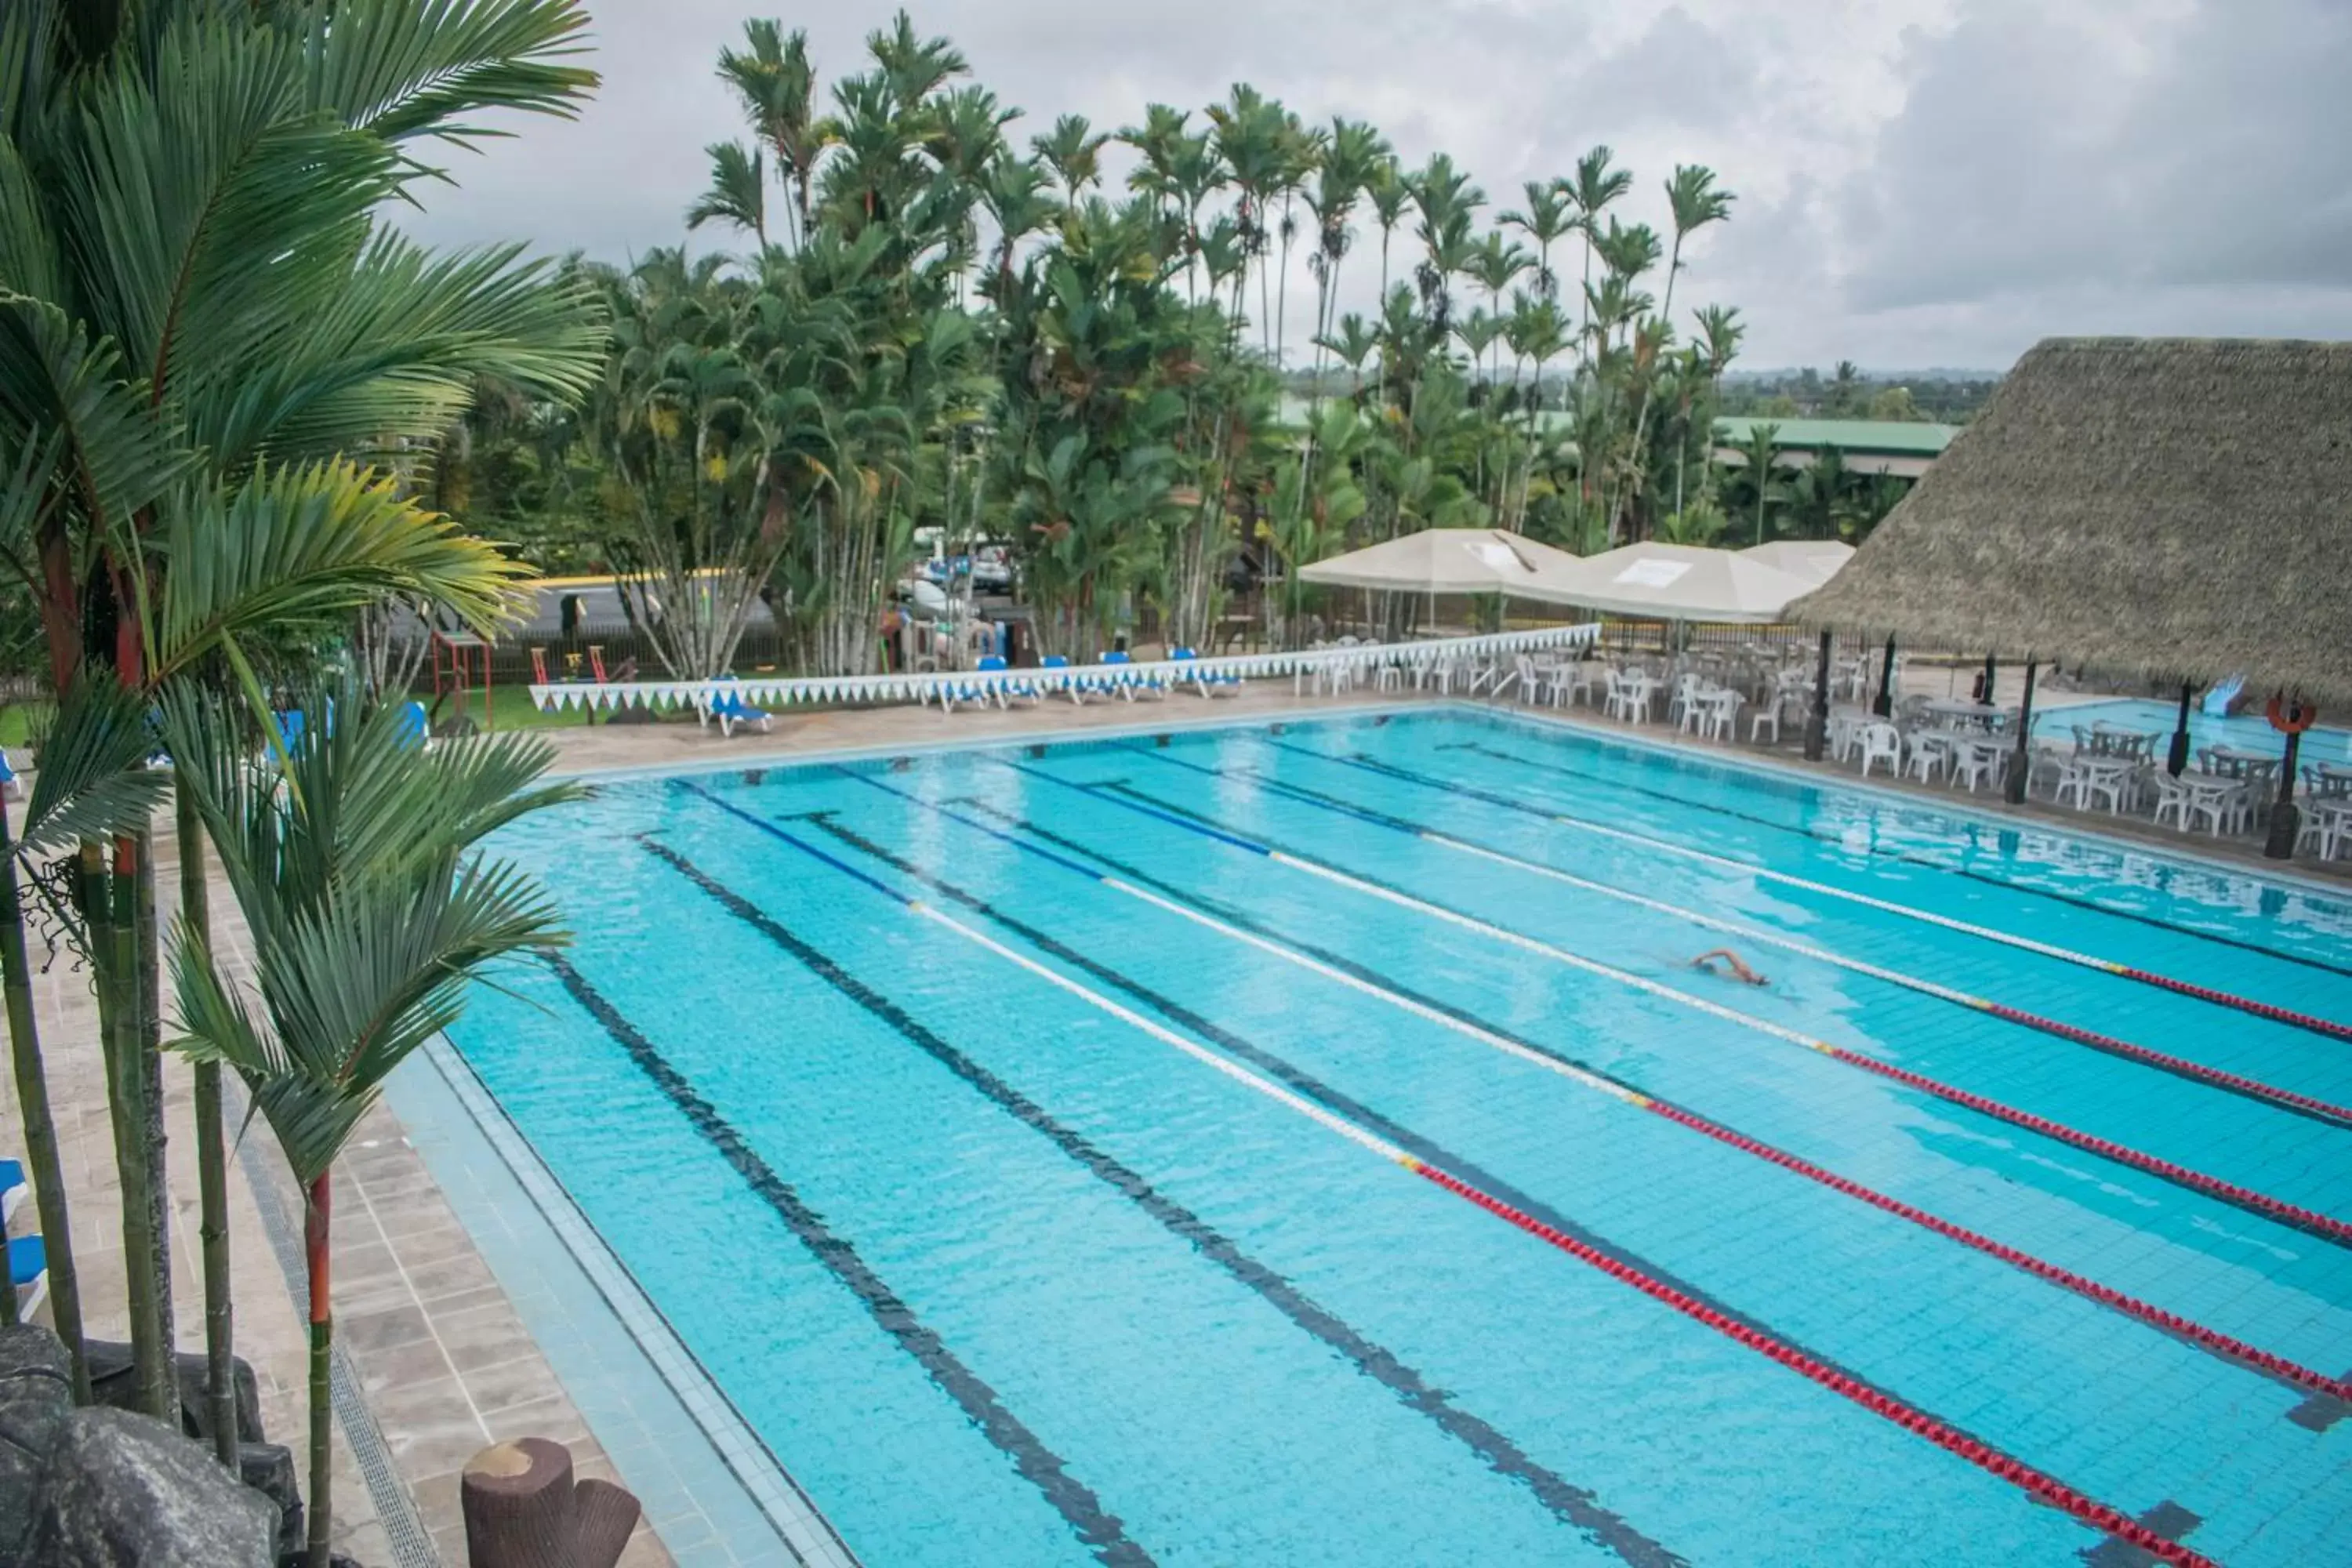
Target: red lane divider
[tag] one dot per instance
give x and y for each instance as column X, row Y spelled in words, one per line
column 2253, row 1088
column 2246, row 1198
column 2243, row 1003
column 2106, row 1295
column 1984, row 1455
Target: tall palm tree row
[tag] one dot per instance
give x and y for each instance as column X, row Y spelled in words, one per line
column 213, row 358
column 1209, row 220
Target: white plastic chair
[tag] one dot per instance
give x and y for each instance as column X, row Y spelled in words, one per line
column 1978, row 763
column 1719, row 715
column 2172, row 799
column 1931, row 754
column 2230, row 810
column 1881, row 740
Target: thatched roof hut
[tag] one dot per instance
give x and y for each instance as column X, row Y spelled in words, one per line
column 2176, row 506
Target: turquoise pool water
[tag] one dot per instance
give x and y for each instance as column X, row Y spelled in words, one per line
column 1258, row 1147
column 2248, row 729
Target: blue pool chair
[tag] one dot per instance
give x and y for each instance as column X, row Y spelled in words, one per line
column 13, row 1190
column 1134, row 680
column 28, row 1273
column 1212, row 683
column 729, row 709
column 415, row 728
column 10, row 784
column 1008, row 692
column 1075, row 686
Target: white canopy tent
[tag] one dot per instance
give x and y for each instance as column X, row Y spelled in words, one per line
column 1443, row 561
column 1819, row 559
column 1682, row 583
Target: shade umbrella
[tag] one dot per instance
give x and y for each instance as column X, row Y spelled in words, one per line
column 1657, row 582
column 1818, row 559
column 1442, row 561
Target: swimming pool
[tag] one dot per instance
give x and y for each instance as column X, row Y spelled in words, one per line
column 1314, row 1146
column 2249, row 730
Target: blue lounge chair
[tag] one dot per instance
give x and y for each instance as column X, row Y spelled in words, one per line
column 415, row 728
column 13, row 1190
column 1074, row 687
column 9, row 783
column 729, row 709
column 1132, row 680
column 1011, row 690
column 1213, row 683
column 28, row 1273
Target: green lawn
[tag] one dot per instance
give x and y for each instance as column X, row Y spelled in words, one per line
column 18, row 720
column 512, row 709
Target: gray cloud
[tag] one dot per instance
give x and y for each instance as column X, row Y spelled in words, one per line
column 1920, row 181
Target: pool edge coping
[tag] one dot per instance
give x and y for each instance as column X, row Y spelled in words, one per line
column 801, row 1525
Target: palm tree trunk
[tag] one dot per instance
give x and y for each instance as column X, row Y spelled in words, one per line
column 212, row 1162
column 151, row 1073
column 322, row 1345
column 40, row 1126
column 110, row 894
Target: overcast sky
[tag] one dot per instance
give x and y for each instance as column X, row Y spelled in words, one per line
column 1921, row 183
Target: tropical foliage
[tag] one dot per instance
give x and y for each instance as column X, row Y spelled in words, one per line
column 216, row 365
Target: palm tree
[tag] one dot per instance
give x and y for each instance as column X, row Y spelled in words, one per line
column 1594, row 188
column 1550, row 216
column 1353, row 155
column 912, row 68
column 370, row 913
column 1493, row 267
column 188, row 316
column 1074, row 151
column 738, row 192
column 778, row 87
column 1760, row 459
column 1696, row 202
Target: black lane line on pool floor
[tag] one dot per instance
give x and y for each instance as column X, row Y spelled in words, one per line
column 2292, row 1018
column 1855, row 1387
column 2278, row 1211
column 1907, row 857
column 1573, row 1504
column 1101, row 1529
column 2317, row 1407
column 2251, row 1090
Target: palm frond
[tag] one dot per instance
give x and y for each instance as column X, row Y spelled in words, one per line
column 395, row 354
column 310, row 545
column 404, row 70
column 115, row 455
column 209, row 211
column 93, row 781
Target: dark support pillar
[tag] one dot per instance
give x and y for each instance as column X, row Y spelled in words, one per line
column 2178, row 759
column 1817, row 729
column 2287, row 821
column 1988, row 678
column 1884, row 705
column 2021, row 764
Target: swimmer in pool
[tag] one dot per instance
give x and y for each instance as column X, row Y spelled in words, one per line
column 1731, row 960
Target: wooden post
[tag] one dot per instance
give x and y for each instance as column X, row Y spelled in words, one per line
column 2287, row 821
column 2178, row 759
column 1989, row 676
column 1817, row 729
column 1884, row 705
column 2021, row 764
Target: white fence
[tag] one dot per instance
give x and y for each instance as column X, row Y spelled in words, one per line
column 965, row 685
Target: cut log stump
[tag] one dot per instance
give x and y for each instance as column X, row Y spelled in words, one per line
column 524, row 1509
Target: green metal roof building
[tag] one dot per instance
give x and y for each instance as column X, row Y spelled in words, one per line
column 1902, row 447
